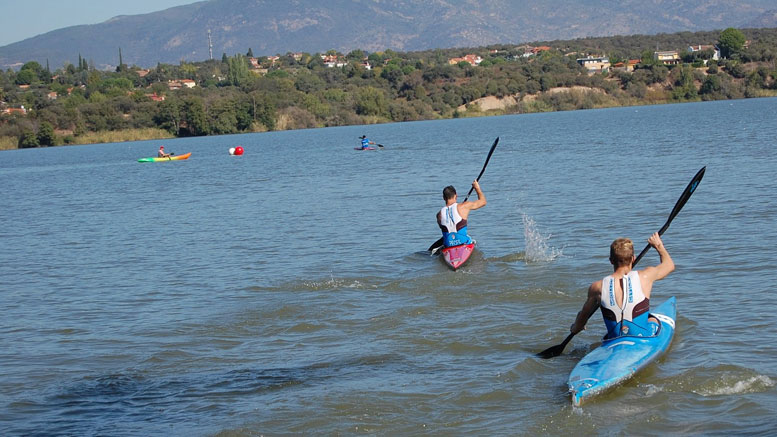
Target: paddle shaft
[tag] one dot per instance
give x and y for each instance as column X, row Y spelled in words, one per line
column 677, row 207
column 439, row 242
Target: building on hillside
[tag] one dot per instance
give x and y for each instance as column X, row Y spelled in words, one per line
column 529, row 51
column 472, row 59
column 52, row 95
column 667, row 57
column 332, row 61
column 366, row 65
column 700, row 48
column 155, row 97
column 178, row 84
column 629, row 65
column 15, row 111
column 143, row 73
column 595, row 64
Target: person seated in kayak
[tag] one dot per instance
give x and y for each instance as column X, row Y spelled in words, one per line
column 162, row 153
column 452, row 218
column 626, row 313
column 365, row 142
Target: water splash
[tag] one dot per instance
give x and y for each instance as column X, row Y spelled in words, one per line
column 537, row 248
column 731, row 385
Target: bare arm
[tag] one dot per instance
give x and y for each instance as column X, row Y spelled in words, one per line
column 589, row 307
column 471, row 205
column 656, row 273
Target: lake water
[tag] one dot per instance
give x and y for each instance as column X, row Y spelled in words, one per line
column 288, row 291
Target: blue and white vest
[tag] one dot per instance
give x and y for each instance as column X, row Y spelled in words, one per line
column 632, row 317
column 454, row 228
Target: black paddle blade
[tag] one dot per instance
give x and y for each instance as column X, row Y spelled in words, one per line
column 556, row 350
column 435, row 245
column 690, row 189
column 488, row 158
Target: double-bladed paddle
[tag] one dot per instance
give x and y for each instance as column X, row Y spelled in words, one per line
column 439, row 242
column 556, row 350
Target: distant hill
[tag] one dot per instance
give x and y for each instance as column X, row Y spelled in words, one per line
column 767, row 19
column 271, row 27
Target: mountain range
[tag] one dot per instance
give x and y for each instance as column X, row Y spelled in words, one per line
column 270, row 27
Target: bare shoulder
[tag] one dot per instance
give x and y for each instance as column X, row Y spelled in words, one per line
column 595, row 288
column 648, row 274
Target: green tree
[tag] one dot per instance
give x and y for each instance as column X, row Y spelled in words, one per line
column 238, row 70
column 710, row 86
column 195, row 117
column 371, row 101
column 25, row 77
column 170, row 115
column 731, row 42
column 46, row 135
column 28, row 140
column 684, row 87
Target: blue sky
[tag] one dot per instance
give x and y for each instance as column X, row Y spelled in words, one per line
column 22, row 19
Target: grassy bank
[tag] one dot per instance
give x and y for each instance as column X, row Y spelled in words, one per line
column 121, row 136
column 8, row 143
column 11, row 143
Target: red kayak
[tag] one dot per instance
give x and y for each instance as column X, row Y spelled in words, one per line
column 366, row 148
column 456, row 256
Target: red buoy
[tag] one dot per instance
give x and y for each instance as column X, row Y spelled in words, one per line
column 239, row 150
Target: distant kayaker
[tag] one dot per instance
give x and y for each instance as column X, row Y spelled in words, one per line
column 365, row 142
column 162, row 153
column 627, row 315
column 452, row 218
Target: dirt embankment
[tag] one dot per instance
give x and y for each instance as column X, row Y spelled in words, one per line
column 489, row 103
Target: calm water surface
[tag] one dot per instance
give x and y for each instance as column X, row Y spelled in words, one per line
column 287, row 291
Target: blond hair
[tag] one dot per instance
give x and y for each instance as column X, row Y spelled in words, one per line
column 621, row 252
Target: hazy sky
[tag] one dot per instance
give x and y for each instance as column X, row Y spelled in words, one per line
column 22, row 19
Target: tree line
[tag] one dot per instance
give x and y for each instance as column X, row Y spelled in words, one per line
column 241, row 93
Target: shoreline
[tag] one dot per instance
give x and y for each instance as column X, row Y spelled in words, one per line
column 489, row 106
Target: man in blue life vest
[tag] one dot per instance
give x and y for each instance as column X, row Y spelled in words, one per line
column 452, row 218
column 624, row 296
column 365, row 142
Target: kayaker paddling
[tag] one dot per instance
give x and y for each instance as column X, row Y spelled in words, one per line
column 452, row 218
column 626, row 314
column 161, row 153
column 365, row 142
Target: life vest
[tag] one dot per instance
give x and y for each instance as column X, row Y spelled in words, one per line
column 454, row 228
column 365, row 143
column 632, row 317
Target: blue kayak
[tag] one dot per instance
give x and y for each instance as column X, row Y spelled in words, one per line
column 618, row 359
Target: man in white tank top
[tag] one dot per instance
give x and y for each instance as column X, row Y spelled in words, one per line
column 452, row 218
column 625, row 314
